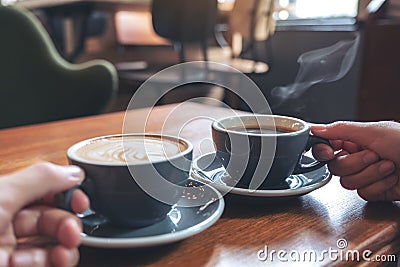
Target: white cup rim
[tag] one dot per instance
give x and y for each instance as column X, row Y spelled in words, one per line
column 72, row 149
column 218, row 125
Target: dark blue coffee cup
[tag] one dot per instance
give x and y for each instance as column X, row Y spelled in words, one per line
column 261, row 151
column 133, row 180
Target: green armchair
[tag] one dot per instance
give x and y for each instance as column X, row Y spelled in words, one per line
column 37, row 84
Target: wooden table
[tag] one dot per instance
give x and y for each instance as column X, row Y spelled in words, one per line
column 314, row 222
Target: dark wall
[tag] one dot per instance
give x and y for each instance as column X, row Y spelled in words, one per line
column 380, row 71
column 322, row 102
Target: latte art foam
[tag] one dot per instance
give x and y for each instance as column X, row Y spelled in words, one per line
column 132, row 149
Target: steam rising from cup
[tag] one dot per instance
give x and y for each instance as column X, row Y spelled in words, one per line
column 323, row 65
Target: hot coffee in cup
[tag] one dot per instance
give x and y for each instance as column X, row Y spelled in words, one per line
column 255, row 129
column 131, row 149
column 261, row 151
column 127, row 176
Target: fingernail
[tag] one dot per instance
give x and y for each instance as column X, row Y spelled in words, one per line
column 370, row 157
column 386, row 167
column 23, row 259
column 318, row 128
column 74, row 172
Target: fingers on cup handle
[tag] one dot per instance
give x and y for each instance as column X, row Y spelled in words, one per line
column 312, row 140
column 63, row 199
column 38, row 181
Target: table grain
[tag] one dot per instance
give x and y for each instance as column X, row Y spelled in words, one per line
column 313, row 222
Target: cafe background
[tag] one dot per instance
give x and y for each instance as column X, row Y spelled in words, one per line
column 369, row 91
column 315, row 221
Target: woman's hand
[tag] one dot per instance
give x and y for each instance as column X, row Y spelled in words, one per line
column 368, row 157
column 32, row 231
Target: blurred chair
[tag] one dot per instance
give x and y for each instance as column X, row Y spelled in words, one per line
column 37, row 84
column 180, row 23
column 249, row 22
column 83, row 22
column 183, row 22
column 193, row 22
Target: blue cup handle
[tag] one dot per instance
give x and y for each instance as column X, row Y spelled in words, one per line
column 303, row 168
column 90, row 218
column 63, row 200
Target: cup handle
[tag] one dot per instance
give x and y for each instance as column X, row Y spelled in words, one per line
column 302, row 168
column 63, row 199
column 89, row 218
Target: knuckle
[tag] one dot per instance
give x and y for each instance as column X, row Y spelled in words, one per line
column 6, row 204
column 5, row 217
column 23, row 220
column 339, row 167
column 339, row 124
column 45, row 169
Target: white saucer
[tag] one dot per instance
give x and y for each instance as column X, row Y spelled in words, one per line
column 180, row 223
column 208, row 169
